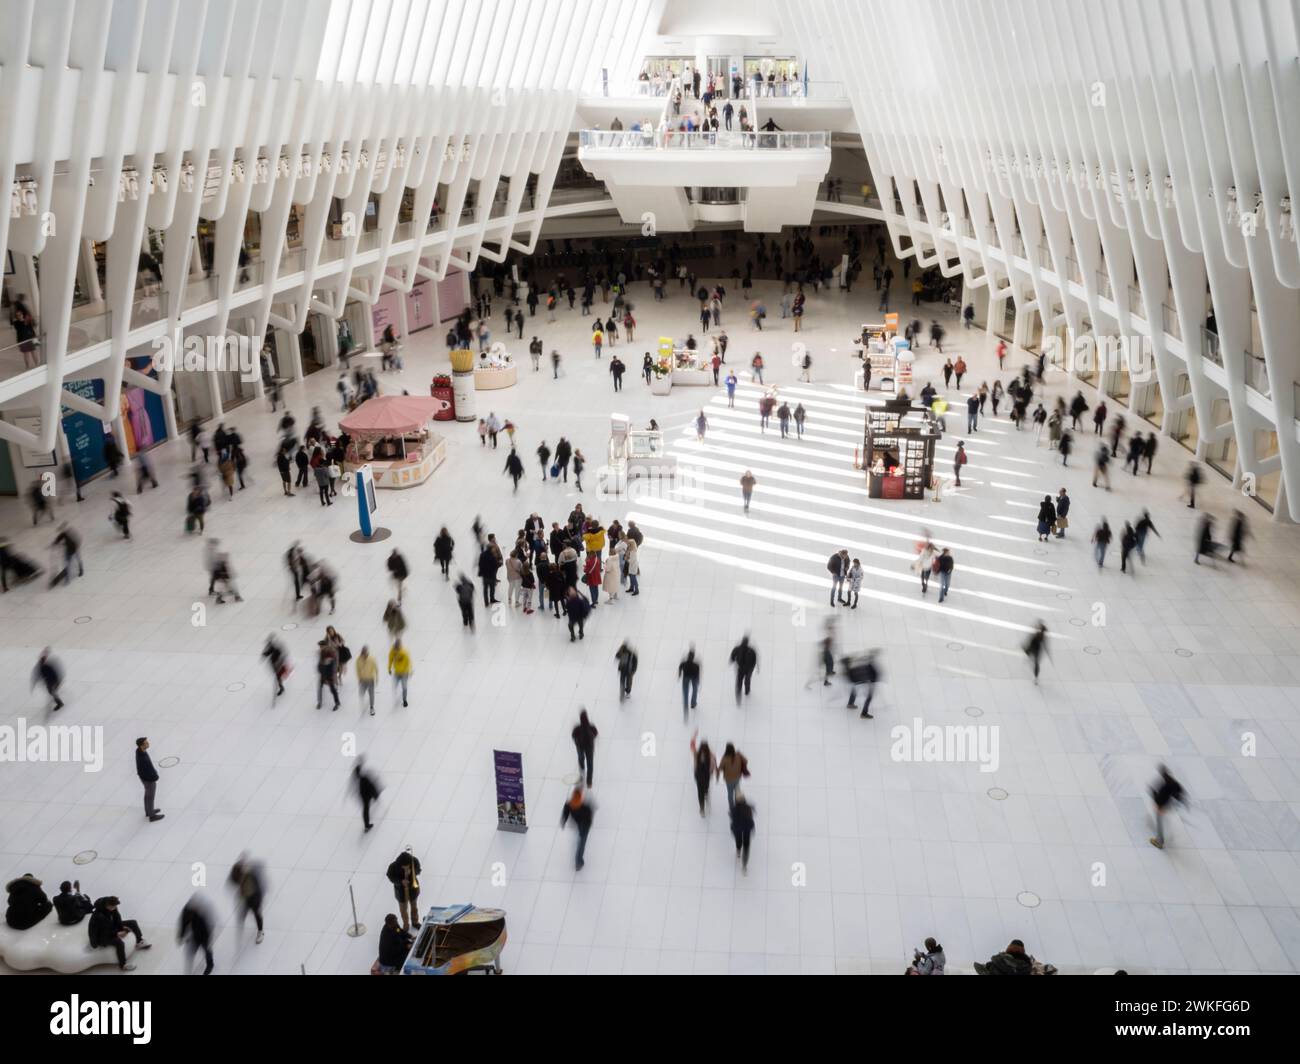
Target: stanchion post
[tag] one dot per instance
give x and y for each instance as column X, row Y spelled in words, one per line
column 357, row 929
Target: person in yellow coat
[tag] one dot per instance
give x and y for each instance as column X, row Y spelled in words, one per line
column 399, row 667
column 367, row 674
column 593, row 539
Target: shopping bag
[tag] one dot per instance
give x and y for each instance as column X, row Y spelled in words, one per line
column 555, row 471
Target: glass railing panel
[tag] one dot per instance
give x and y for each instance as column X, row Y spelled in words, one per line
column 150, row 308
column 1171, row 324
column 1210, row 347
column 89, row 331
column 200, row 290
column 1257, row 373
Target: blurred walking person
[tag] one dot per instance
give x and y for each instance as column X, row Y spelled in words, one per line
column 249, row 882
column 584, row 740
column 1035, row 646
column 1166, row 793
column 578, row 809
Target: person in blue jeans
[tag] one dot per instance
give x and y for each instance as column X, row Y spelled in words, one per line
column 731, row 389
column 945, row 573
column 580, row 812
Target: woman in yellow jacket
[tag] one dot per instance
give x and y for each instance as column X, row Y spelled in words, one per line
column 593, row 540
column 399, row 667
column 367, row 674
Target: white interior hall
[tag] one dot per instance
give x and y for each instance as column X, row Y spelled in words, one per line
column 235, row 226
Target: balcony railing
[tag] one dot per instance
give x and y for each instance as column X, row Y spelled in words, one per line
column 1045, row 259
column 294, row 261
column 1172, row 326
column 1210, row 347
column 249, row 274
column 1135, row 304
column 1257, row 373
column 200, row 290
column 1072, row 267
column 14, row 360
column 646, row 140
column 148, row 309
column 1103, row 286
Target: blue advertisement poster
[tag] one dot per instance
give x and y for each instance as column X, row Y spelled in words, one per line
column 85, row 431
column 509, row 766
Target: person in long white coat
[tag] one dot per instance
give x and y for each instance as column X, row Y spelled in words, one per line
column 632, row 565
column 610, row 581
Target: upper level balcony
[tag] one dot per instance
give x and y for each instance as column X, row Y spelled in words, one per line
column 648, row 170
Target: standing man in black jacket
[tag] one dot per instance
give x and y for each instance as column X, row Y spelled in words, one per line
column 563, row 452
column 148, row 776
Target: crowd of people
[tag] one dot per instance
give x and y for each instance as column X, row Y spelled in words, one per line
column 571, row 566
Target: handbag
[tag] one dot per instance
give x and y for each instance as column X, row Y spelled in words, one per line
column 555, row 471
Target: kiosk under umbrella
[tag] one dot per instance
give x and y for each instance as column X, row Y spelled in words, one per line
column 391, row 434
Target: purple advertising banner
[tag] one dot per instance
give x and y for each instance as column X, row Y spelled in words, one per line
column 509, row 767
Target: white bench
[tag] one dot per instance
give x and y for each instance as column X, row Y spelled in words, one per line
column 52, row 945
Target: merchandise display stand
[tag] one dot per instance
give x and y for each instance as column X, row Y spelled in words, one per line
column 899, row 459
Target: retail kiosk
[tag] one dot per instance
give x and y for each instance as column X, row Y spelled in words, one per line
column 898, row 458
column 391, row 434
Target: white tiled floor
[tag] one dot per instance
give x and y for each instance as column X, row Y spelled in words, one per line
column 891, row 852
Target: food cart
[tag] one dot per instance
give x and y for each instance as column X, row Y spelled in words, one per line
column 391, row 434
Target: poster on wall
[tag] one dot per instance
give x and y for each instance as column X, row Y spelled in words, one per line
column 509, row 768
column 142, row 411
column 85, row 432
